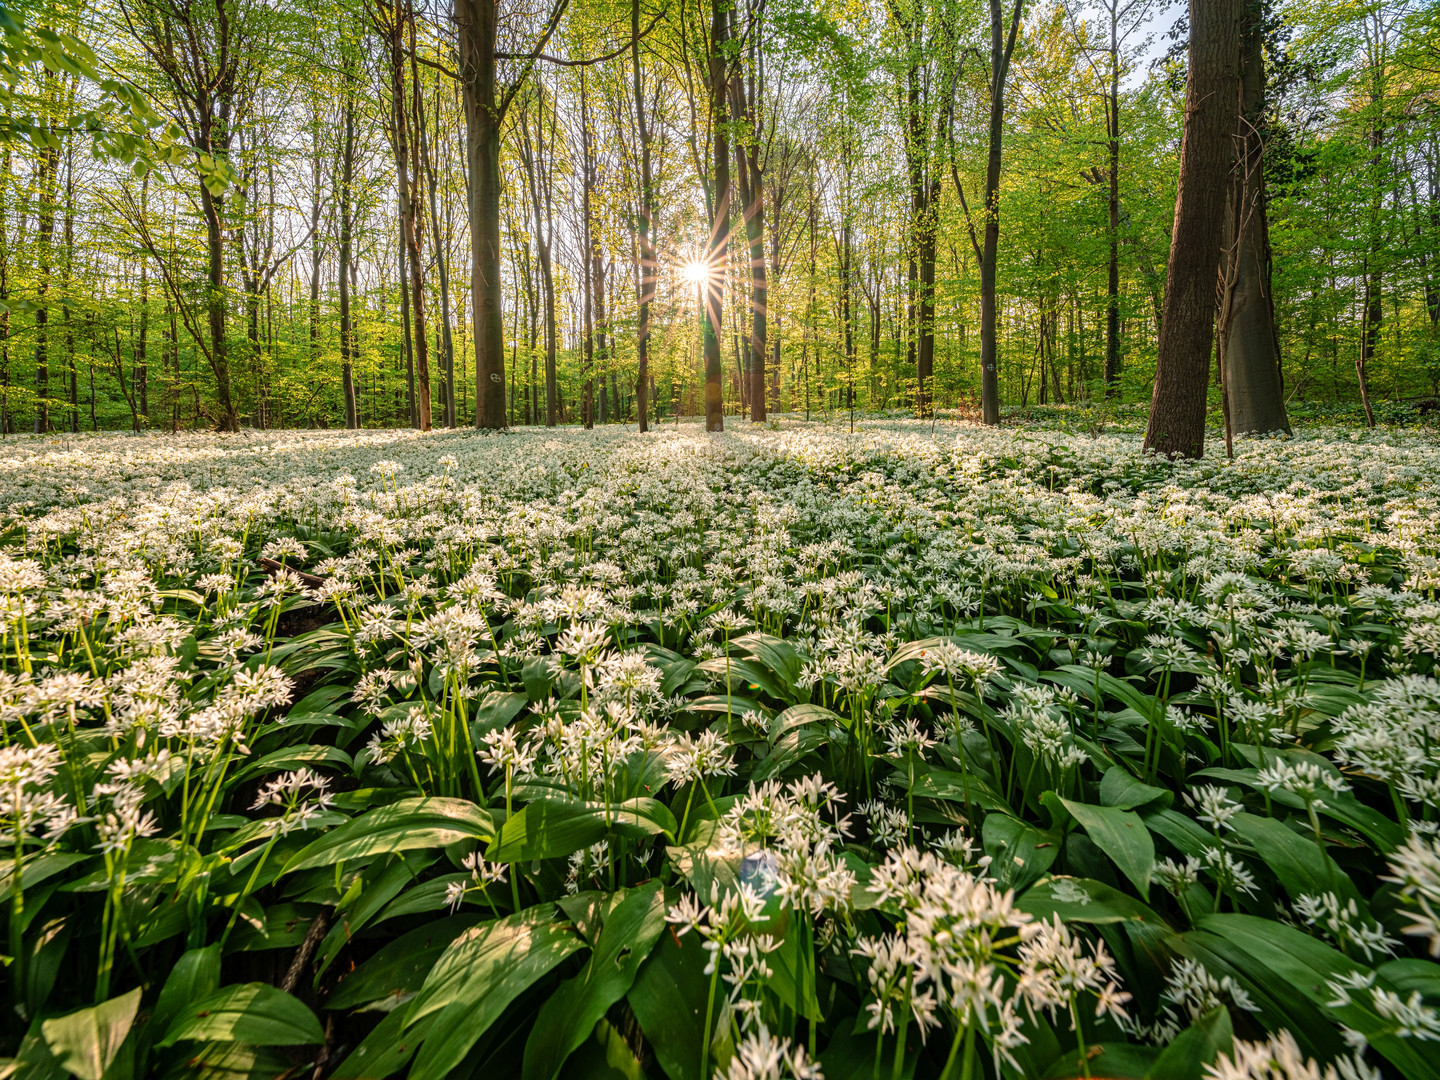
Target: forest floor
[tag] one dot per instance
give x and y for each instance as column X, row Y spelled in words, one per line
column 924, row 749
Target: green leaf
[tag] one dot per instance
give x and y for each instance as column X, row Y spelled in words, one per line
column 404, row 826
column 800, row 715
column 386, row 1050
column 551, row 828
column 668, row 1000
column 196, row 975
column 478, row 976
column 400, row 967
column 1113, row 1061
column 255, row 1013
column 605, row 1056
column 568, row 1016
column 293, row 757
column 1019, row 852
column 1310, row 967
column 1085, row 900
column 1121, row 835
column 1296, row 860
column 1122, row 791
column 496, row 709
column 86, row 1041
column 1195, row 1048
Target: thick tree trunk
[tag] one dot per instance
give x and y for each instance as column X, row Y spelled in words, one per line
column 1249, row 346
column 1182, row 369
column 476, row 20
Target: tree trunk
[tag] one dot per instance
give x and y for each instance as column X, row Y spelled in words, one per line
column 1182, row 368
column 714, row 285
column 647, row 209
column 442, row 259
column 1249, row 345
column 1001, row 48
column 347, row 331
column 752, row 200
column 47, row 168
column 476, row 20
column 1112, row 287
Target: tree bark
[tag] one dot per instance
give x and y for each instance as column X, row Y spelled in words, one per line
column 714, row 285
column 347, row 331
column 1112, row 285
column 1002, row 46
column 1182, row 368
column 48, row 169
column 1249, row 345
column 476, row 20
column 647, row 209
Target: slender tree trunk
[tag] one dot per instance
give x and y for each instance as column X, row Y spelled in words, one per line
column 1112, row 288
column 1001, row 48
column 442, row 259
column 347, row 329
column 647, row 210
column 711, row 317
column 752, row 200
column 212, row 207
column 66, row 278
column 47, row 169
column 5, row 167
column 1182, row 370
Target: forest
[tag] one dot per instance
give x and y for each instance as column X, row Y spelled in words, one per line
column 234, row 213
column 743, row 540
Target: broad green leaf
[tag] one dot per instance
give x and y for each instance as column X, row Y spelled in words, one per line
column 1296, row 860
column 496, row 709
column 1121, row 835
column 86, row 1041
column 400, row 966
column 196, row 975
column 1113, row 1061
column 605, row 1056
column 1085, row 900
column 363, row 901
column 404, row 826
column 1122, row 791
column 568, row 1016
column 293, row 757
column 1019, row 852
column 551, row 828
column 777, row 654
column 35, row 869
column 386, row 1050
column 255, row 1013
column 1314, row 969
column 668, row 1000
column 478, row 976
column 1195, row 1048
column 799, row 716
